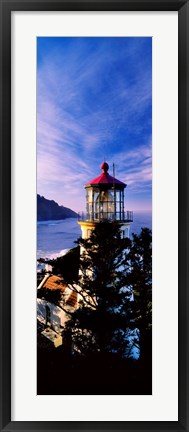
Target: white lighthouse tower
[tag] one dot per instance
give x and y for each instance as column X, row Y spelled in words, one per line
column 105, row 202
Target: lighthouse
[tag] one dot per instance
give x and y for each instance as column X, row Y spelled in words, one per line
column 105, row 202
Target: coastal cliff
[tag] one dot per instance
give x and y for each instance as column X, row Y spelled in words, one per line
column 50, row 210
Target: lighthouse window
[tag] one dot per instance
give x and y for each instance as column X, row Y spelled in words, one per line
column 104, row 204
column 96, row 193
column 89, row 195
column 117, row 195
column 107, row 204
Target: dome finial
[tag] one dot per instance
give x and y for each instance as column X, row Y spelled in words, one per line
column 104, row 166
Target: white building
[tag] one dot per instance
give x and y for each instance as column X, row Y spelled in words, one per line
column 52, row 314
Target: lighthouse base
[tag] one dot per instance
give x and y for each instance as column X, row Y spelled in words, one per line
column 88, row 226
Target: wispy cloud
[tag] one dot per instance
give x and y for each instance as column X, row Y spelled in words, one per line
column 93, row 101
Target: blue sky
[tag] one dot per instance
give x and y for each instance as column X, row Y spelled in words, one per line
column 94, row 103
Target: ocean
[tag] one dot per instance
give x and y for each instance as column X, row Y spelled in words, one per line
column 55, row 238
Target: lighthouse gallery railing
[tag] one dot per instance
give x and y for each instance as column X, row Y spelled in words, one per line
column 126, row 216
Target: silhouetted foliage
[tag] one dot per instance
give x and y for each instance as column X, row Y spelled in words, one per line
column 116, row 286
column 67, row 265
column 140, row 280
column 100, row 324
column 52, row 296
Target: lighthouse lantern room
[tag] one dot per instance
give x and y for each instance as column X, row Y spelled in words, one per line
column 105, row 202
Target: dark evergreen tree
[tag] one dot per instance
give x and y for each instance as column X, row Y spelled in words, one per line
column 67, row 265
column 139, row 278
column 116, row 292
column 100, row 324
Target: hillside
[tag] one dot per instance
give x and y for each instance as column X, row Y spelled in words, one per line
column 50, row 210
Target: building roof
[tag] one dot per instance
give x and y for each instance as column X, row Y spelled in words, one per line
column 54, row 282
column 72, row 299
column 105, row 178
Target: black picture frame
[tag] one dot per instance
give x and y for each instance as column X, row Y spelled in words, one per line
column 182, row 6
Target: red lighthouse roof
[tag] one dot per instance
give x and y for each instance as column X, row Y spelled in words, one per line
column 106, row 179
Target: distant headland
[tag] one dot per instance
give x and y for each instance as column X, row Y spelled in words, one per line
column 50, row 210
